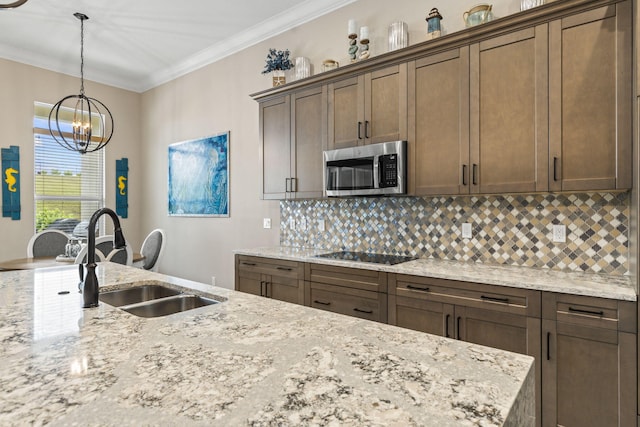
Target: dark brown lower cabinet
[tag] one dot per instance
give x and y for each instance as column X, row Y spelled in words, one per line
column 352, row 302
column 351, row 291
column 494, row 316
column 271, row 278
column 589, row 362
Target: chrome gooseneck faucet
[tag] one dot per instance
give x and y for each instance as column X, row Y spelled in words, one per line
column 90, row 290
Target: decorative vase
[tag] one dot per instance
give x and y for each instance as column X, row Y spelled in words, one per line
column 278, row 78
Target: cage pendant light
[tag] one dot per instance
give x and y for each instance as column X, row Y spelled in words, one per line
column 91, row 121
column 12, row 4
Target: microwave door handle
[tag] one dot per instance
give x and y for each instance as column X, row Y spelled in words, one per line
column 376, row 171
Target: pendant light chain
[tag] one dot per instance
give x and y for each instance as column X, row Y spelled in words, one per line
column 82, row 55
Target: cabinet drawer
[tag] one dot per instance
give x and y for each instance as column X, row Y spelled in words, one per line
column 251, row 266
column 367, row 280
column 352, row 302
column 498, row 298
column 589, row 311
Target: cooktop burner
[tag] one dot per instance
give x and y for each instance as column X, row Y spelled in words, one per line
column 367, row 257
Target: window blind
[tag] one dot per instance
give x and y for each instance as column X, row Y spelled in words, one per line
column 69, row 186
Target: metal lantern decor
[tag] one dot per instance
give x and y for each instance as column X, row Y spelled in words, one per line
column 91, row 120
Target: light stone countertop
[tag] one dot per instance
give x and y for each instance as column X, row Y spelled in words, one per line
column 577, row 283
column 246, row 361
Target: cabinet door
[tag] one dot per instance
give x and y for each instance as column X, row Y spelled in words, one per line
column 309, row 130
column 420, row 315
column 591, row 100
column 509, row 112
column 249, row 282
column 584, row 376
column 510, row 332
column 385, row 108
column 439, row 123
column 275, row 147
column 346, row 112
column 285, row 289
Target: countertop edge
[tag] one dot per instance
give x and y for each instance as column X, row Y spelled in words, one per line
column 575, row 283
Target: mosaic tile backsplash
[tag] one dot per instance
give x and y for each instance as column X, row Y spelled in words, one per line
column 514, row 230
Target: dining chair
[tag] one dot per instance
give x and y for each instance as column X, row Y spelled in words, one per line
column 105, row 252
column 47, row 243
column 152, row 249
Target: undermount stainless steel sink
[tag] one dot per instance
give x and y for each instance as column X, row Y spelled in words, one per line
column 170, row 305
column 138, row 294
column 154, row 300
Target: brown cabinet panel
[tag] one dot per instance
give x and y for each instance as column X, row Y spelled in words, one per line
column 309, row 130
column 385, row 112
column 368, row 108
column 509, row 112
column 588, row 365
column 368, row 280
column 346, row 112
column 590, row 131
column 439, row 123
column 278, row 279
column 352, row 302
column 275, row 143
column 420, row 315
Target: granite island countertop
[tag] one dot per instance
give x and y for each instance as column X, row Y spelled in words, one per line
column 246, row 361
column 577, row 283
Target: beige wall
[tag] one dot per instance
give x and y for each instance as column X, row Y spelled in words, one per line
column 216, row 99
column 22, row 85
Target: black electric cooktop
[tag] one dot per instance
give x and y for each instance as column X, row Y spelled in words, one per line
column 367, row 257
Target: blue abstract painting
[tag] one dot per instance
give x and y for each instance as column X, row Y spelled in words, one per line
column 199, row 177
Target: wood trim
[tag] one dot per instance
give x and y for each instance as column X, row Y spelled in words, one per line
column 517, row 36
column 465, row 119
column 474, row 118
column 624, row 59
column 555, row 106
column 542, row 107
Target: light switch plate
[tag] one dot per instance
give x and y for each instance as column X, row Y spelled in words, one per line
column 266, row 223
column 292, row 223
column 559, row 233
column 466, row 231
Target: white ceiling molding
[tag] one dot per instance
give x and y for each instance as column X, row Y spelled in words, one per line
column 304, row 12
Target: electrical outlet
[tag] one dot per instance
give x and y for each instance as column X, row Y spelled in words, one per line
column 266, row 223
column 292, row 223
column 559, row 233
column 303, row 223
column 321, row 225
column 466, row 231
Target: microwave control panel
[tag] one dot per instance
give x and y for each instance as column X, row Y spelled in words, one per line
column 388, row 170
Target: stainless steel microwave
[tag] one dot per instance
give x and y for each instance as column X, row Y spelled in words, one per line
column 366, row 170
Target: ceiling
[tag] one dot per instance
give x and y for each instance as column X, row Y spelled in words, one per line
column 140, row 44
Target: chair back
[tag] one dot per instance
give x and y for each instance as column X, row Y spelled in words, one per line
column 105, row 252
column 152, row 249
column 121, row 256
column 47, row 243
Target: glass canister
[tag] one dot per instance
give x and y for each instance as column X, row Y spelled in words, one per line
column 302, row 68
column 398, row 35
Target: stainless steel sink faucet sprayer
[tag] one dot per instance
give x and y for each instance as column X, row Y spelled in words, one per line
column 90, row 290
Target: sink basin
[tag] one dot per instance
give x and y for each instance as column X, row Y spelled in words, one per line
column 169, row 305
column 135, row 295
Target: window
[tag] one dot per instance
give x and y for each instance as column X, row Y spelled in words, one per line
column 69, row 186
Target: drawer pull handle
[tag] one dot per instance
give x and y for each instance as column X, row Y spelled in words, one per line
column 362, row 311
column 495, row 299
column 458, row 327
column 580, row 311
column 250, row 264
column 464, row 175
column 474, row 174
column 417, row 288
column 263, row 285
column 284, row 268
column 315, row 301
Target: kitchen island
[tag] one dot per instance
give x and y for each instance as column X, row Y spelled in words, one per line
column 245, row 361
